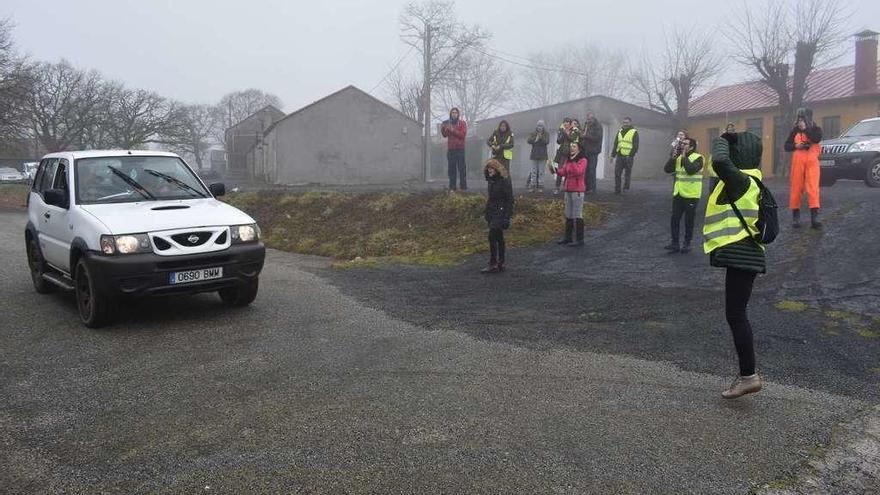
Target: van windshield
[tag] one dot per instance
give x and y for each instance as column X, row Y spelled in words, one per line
column 126, row 179
column 867, row 128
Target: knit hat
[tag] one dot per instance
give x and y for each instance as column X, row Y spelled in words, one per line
column 541, row 123
column 743, row 149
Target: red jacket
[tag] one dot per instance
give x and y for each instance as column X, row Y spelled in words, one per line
column 455, row 132
column 574, row 173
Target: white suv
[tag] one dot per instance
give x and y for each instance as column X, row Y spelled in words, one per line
column 115, row 224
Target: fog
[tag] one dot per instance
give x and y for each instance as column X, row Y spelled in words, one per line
column 197, row 51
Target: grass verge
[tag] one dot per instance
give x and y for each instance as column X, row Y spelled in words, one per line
column 368, row 229
column 13, row 195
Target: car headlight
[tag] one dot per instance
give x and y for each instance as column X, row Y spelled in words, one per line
column 870, row 145
column 125, row 244
column 245, row 233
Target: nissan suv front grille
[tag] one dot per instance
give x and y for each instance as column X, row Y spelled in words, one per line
column 192, row 238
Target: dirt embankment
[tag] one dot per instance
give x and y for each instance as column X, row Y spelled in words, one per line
column 13, row 196
column 425, row 228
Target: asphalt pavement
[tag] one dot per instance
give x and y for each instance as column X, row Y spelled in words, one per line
column 593, row 371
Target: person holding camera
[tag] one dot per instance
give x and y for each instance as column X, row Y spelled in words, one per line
column 564, row 138
column 591, row 140
column 455, row 131
column 730, row 244
column 675, row 145
column 626, row 145
column 687, row 165
column 539, row 141
column 501, row 144
column 803, row 143
column 574, row 170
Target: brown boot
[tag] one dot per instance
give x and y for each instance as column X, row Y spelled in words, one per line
column 743, row 385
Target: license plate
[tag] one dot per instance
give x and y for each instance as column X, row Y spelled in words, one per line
column 195, row 275
column 826, row 163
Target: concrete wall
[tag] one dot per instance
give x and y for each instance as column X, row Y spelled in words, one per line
column 655, row 133
column 241, row 137
column 347, row 138
column 850, row 112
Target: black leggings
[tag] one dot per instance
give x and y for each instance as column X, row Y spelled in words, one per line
column 737, row 291
column 683, row 207
column 496, row 245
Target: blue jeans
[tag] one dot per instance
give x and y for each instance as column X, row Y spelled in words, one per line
column 457, row 167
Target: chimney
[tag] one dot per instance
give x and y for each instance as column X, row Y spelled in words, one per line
column 866, row 62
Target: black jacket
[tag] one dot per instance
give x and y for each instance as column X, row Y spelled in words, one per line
column 635, row 144
column 539, row 145
column 592, row 139
column 814, row 134
column 499, row 204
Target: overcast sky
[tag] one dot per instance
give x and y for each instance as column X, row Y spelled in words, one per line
column 197, row 50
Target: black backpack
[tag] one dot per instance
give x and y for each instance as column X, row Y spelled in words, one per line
column 768, row 220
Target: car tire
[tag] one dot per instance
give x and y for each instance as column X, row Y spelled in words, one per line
column 240, row 295
column 94, row 307
column 38, row 267
column 872, row 178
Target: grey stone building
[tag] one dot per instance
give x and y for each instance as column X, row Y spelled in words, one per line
column 241, row 138
column 348, row 137
column 656, row 131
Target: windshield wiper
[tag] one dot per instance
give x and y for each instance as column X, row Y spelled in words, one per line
column 133, row 183
column 174, row 180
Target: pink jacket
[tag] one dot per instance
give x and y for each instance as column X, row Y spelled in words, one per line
column 574, row 173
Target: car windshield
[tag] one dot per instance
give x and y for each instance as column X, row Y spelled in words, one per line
column 125, row 179
column 6, row 170
column 867, row 128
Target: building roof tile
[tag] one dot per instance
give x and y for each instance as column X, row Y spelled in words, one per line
column 822, row 85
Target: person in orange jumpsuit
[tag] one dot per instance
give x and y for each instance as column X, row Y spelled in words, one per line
column 803, row 143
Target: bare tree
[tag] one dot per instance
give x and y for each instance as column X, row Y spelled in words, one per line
column 239, row 105
column 136, row 116
column 15, row 83
column 546, row 78
column 478, row 88
column 62, row 103
column 405, row 92
column 537, row 86
column 190, row 132
column 449, row 41
column 668, row 82
column 805, row 34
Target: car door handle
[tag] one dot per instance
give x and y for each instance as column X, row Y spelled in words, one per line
column 47, row 215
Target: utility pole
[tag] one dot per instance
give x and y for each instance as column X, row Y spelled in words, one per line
column 426, row 155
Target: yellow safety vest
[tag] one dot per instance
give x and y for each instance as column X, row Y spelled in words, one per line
column 721, row 226
column 625, row 142
column 687, row 185
column 508, row 153
column 708, row 162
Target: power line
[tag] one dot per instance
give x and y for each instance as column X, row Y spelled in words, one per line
column 393, row 68
column 531, row 65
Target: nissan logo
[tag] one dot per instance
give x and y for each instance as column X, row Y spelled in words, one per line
column 193, row 239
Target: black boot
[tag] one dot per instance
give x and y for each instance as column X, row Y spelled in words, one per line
column 569, row 227
column 672, row 247
column 795, row 219
column 579, row 229
column 814, row 219
column 686, row 248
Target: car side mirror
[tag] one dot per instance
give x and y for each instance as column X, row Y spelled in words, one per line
column 217, row 189
column 56, row 197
